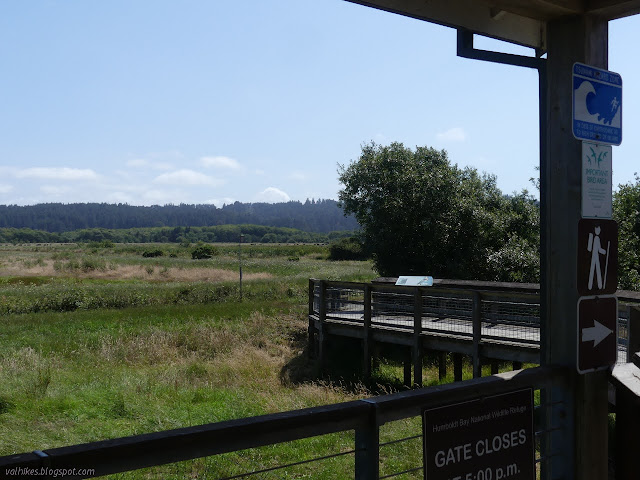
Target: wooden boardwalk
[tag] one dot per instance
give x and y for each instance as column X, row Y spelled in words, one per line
column 488, row 322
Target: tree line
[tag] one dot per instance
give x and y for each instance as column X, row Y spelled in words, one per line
column 219, row 233
column 420, row 214
column 318, row 216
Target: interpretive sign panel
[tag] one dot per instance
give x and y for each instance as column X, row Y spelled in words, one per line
column 596, row 180
column 415, row 281
column 485, row 439
column 597, row 105
column 597, row 332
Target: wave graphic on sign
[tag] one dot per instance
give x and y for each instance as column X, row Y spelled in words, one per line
column 597, row 103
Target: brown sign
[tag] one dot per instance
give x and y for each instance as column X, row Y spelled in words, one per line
column 597, row 256
column 597, row 333
column 485, row 439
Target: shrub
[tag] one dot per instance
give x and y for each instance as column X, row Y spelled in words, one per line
column 152, row 253
column 203, row 251
column 91, row 264
column 347, row 249
column 101, row 244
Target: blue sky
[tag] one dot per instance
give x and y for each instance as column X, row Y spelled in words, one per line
column 155, row 101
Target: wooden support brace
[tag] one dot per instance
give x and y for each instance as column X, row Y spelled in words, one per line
column 442, row 365
column 457, row 367
column 495, row 367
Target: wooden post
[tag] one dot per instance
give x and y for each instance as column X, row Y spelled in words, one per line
column 580, row 447
column 375, row 361
column 311, row 349
column 407, row 370
column 517, row 365
column 476, row 320
column 416, row 350
column 625, row 378
column 457, row 367
column 495, row 367
column 627, row 438
column 367, row 461
column 442, row 365
column 312, row 292
column 366, row 335
column 322, row 340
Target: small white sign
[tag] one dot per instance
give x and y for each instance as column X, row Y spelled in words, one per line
column 596, row 180
column 415, row 281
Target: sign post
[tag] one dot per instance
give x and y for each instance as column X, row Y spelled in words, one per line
column 573, row 44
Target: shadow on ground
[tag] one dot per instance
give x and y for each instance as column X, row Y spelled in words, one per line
column 343, row 368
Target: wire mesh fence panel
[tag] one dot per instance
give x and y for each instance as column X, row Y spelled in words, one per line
column 624, row 312
column 546, row 450
column 345, row 303
column 506, row 316
column 392, row 309
column 401, row 449
column 316, row 298
column 446, row 313
column 324, row 457
column 510, row 320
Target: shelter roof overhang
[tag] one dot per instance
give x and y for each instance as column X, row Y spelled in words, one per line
column 519, row 21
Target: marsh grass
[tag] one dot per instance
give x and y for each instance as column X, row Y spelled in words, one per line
column 86, row 358
column 148, row 369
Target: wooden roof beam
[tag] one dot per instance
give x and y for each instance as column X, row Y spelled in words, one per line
column 613, row 9
column 473, row 15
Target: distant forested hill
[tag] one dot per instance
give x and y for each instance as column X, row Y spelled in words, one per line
column 321, row 216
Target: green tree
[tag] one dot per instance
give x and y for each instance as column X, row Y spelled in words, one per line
column 422, row 215
column 626, row 206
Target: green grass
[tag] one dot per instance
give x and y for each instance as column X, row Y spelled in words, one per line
column 84, row 358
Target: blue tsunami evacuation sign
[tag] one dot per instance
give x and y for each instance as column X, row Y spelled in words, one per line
column 597, row 105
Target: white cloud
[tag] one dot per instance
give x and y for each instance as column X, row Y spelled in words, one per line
column 186, row 177
column 220, row 162
column 162, row 197
column 455, row 134
column 380, row 138
column 273, row 195
column 144, row 163
column 6, row 188
column 138, row 162
column 59, row 173
column 54, row 190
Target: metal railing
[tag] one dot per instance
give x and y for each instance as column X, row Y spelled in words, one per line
column 364, row 417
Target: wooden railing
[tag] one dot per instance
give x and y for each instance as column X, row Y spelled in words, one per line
column 365, row 417
column 450, row 316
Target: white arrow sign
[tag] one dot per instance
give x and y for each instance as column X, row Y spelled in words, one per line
column 595, row 334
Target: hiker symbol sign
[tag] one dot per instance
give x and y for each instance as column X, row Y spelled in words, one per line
column 597, row 256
